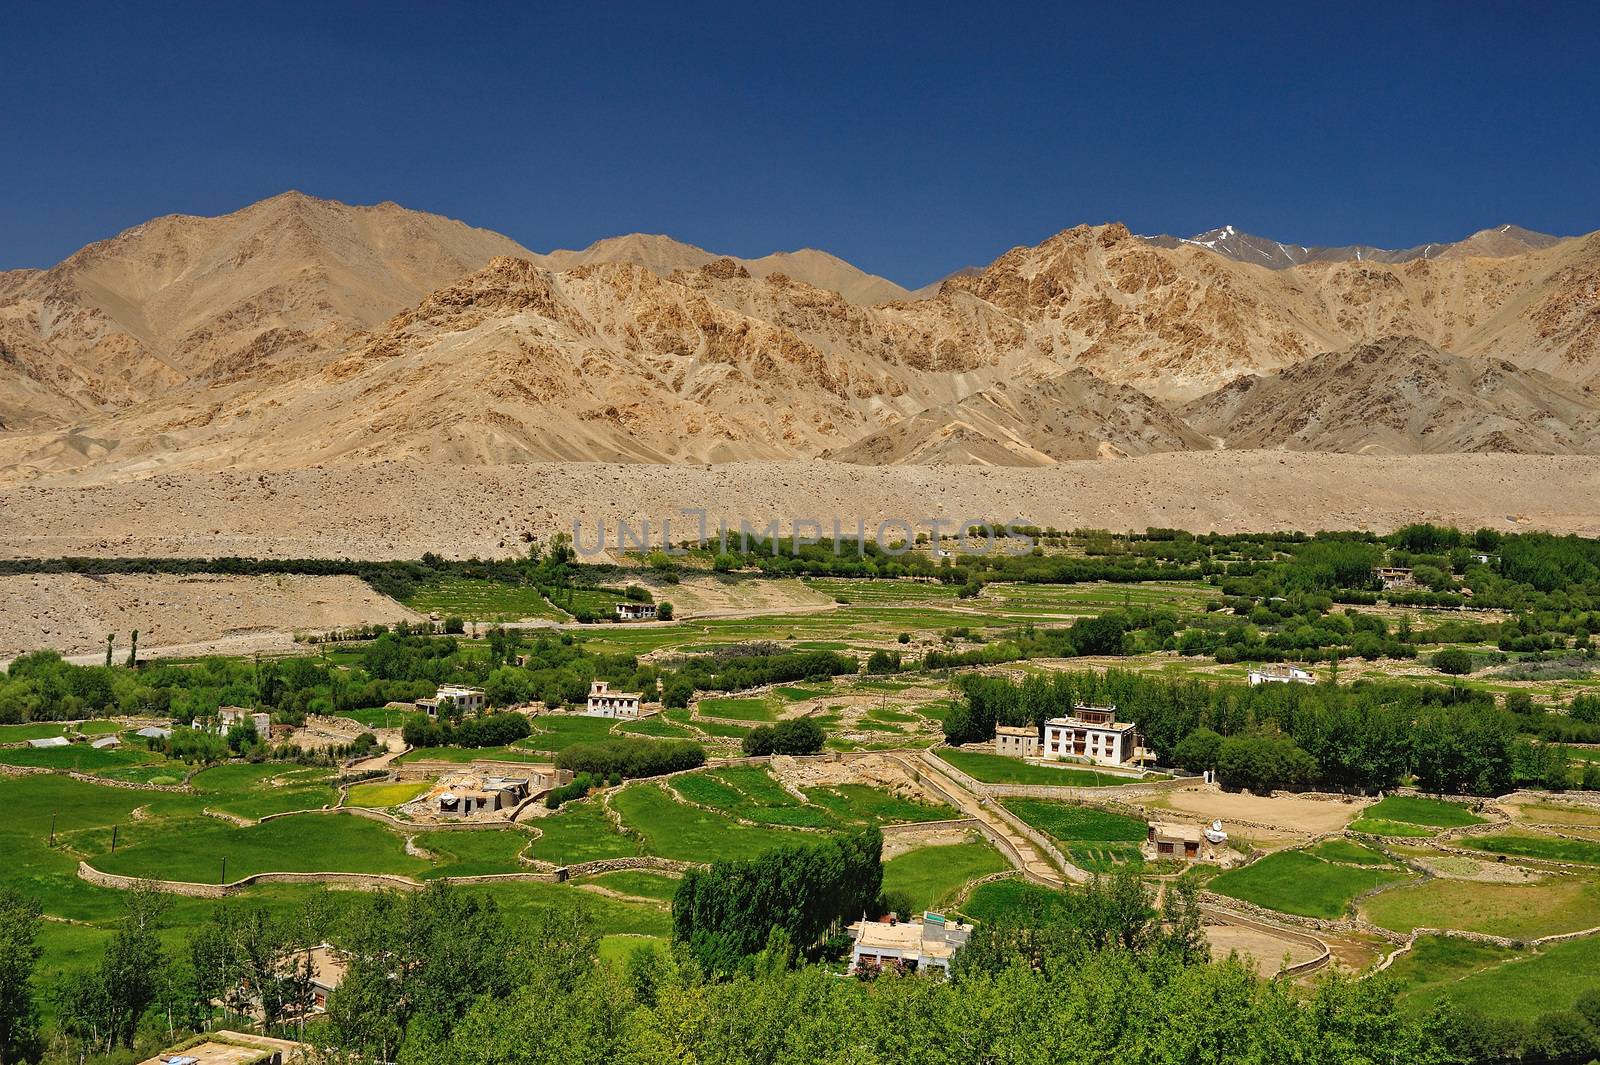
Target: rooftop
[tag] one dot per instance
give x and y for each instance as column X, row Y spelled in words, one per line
column 232, row 1048
column 1015, row 730
column 908, row 936
column 1178, row 831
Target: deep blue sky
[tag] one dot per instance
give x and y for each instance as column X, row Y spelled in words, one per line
column 909, row 139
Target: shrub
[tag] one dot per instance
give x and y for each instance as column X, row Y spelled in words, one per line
column 1455, row 661
column 627, row 757
column 799, row 735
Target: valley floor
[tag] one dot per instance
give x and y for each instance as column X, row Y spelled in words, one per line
column 401, row 510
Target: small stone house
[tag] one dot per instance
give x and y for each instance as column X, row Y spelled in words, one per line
column 1016, row 741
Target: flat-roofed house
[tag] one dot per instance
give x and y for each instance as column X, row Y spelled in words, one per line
column 1281, row 674
column 1396, row 578
column 1175, row 840
column 1016, row 741
column 628, row 610
column 229, row 716
column 603, row 702
column 1170, row 839
column 908, row 945
column 1093, row 734
column 464, row 700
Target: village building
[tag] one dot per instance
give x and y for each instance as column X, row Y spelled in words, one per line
column 603, row 702
column 1281, row 674
column 628, row 610
column 1093, row 734
column 1396, row 578
column 462, row 699
column 470, row 795
column 907, row 945
column 1175, row 840
column 327, row 973
column 234, row 1048
column 229, row 716
column 1016, row 741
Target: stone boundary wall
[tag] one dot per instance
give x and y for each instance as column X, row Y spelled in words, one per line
column 929, row 781
column 641, row 861
column 907, row 827
column 1046, row 845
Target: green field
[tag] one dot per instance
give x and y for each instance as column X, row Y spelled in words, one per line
column 1296, row 882
column 1015, row 900
column 846, row 590
column 751, row 793
column 579, row 832
column 473, row 599
column 638, row 882
column 656, row 727
column 1412, row 815
column 998, row 769
column 82, row 758
column 557, row 732
column 674, row 830
column 39, row 730
column 462, row 755
column 931, row 876
column 1527, row 845
column 381, row 794
column 464, row 853
column 1520, row 911
column 1091, row 838
column 1435, row 963
column 746, row 708
column 1348, row 852
column 195, row 850
column 379, row 716
column 1523, row 988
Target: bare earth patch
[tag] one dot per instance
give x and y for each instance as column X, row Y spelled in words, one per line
column 73, row 613
column 1266, row 951
column 1291, row 815
column 694, row 597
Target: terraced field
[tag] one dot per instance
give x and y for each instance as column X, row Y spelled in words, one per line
column 1301, row 883
column 472, row 599
column 1411, row 815
column 930, row 877
column 1090, row 838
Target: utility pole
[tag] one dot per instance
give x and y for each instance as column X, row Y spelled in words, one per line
column 114, row 838
column 224, row 879
column 52, row 828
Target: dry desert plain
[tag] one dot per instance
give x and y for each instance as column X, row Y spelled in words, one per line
column 401, row 510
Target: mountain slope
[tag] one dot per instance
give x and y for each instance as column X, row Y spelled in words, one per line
column 663, row 255
column 183, row 296
column 301, row 331
column 1399, row 395
column 1071, row 415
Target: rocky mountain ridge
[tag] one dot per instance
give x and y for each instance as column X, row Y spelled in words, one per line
column 300, row 332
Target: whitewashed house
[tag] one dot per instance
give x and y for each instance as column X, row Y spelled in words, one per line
column 1093, row 734
column 1281, row 674
column 603, row 702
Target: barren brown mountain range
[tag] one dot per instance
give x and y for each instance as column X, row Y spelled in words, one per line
column 301, row 332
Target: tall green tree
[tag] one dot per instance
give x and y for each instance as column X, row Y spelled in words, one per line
column 19, row 953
